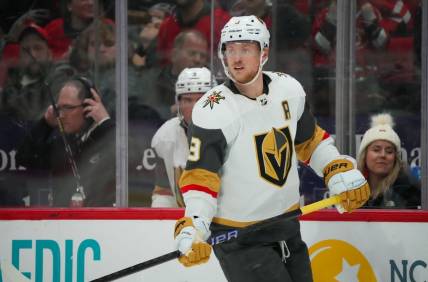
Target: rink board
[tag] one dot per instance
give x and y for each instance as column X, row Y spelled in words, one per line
column 72, row 245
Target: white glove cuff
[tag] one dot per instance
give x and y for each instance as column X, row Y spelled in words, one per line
column 185, row 239
column 345, row 181
column 202, row 226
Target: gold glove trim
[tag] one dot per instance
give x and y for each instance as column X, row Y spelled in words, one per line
column 181, row 223
column 354, row 199
column 335, row 167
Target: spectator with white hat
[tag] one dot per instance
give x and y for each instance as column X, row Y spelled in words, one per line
column 380, row 162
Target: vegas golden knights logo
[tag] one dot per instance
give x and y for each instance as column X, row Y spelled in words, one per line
column 274, row 152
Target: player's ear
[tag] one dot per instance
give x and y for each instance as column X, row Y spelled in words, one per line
column 265, row 54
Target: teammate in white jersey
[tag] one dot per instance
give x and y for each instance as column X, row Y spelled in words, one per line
column 247, row 136
column 170, row 141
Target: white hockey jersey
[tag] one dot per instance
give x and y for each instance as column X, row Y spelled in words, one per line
column 244, row 152
column 170, row 144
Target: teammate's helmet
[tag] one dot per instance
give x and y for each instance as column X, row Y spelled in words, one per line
column 194, row 80
column 244, row 28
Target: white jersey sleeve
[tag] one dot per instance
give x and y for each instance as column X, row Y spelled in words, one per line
column 171, row 147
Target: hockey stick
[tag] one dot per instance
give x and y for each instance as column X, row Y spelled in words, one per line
column 242, row 232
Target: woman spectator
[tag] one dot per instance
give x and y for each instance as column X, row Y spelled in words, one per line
column 380, row 162
column 78, row 15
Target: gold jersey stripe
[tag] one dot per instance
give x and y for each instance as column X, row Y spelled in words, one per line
column 201, row 177
column 304, row 150
column 242, row 224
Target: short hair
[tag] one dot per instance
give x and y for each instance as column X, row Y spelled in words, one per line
column 81, row 88
column 182, row 36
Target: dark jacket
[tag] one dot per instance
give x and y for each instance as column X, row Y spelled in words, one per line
column 24, row 102
column 405, row 193
column 43, row 149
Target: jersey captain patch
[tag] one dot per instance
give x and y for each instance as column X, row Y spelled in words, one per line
column 274, row 153
column 213, row 99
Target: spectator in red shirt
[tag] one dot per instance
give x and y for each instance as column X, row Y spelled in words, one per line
column 25, row 95
column 189, row 14
column 78, row 16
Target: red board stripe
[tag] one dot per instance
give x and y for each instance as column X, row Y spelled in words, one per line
column 172, row 214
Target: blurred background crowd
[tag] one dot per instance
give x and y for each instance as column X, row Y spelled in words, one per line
column 44, row 43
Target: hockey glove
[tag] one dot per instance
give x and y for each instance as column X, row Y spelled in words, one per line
column 343, row 179
column 190, row 235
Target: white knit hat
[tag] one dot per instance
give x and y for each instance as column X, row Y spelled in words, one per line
column 381, row 129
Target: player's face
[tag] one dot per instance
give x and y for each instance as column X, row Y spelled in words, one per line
column 380, row 157
column 71, row 109
column 242, row 60
column 186, row 103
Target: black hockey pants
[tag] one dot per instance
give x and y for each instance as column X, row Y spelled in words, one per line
column 265, row 261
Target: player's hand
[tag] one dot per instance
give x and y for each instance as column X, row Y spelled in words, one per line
column 190, row 241
column 343, row 179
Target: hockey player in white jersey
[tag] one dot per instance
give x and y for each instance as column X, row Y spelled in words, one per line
column 247, row 136
column 170, row 141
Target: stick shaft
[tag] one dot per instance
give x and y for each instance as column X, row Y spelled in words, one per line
column 139, row 267
column 333, row 200
column 243, row 232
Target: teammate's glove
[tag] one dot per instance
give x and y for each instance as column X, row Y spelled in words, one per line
column 342, row 178
column 190, row 235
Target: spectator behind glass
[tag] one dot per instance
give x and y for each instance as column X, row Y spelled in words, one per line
column 78, row 15
column 189, row 14
column 145, row 53
column 170, row 141
column 190, row 51
column 384, row 53
column 91, row 135
column 9, row 47
column 379, row 160
column 99, row 61
column 25, row 95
